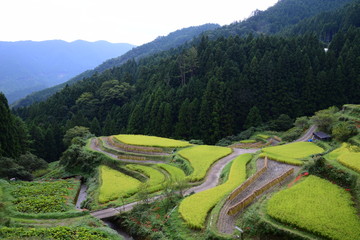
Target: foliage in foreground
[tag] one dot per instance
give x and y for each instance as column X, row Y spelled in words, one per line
column 151, row 141
column 115, row 184
column 317, row 206
column 58, row 233
column 201, row 158
column 43, row 197
column 291, row 153
column 195, row 208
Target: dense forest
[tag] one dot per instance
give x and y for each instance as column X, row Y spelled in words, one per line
column 279, row 19
column 172, row 40
column 207, row 89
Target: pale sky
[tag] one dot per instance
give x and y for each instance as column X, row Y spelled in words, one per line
column 118, row 21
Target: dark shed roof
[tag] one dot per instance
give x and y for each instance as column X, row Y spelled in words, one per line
column 321, row 135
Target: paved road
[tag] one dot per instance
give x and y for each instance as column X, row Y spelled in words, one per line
column 226, row 223
column 211, row 179
column 307, row 135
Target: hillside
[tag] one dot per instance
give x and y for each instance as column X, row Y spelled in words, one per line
column 28, row 66
column 163, row 43
column 285, row 14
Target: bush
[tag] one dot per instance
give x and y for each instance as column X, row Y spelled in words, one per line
column 325, row 170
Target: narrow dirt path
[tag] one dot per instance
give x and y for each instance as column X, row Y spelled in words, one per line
column 211, row 181
column 274, row 169
column 213, row 176
column 226, row 223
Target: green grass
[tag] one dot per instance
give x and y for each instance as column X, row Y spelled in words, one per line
column 195, row 208
column 115, row 184
column 318, row 206
column 156, row 178
column 291, row 153
column 201, row 158
column 151, row 141
column 176, row 174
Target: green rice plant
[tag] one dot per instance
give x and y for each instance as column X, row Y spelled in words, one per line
column 263, row 136
column 115, row 184
column 333, row 155
column 176, row 174
column 248, row 141
column 195, row 208
column 291, row 153
column 350, row 160
column 318, row 206
column 151, row 141
column 156, row 178
column 201, row 158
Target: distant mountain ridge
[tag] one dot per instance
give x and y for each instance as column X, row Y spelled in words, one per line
column 286, row 14
column 162, row 43
column 27, row 66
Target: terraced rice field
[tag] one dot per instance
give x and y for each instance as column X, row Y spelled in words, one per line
column 115, row 184
column 156, row 178
column 195, row 208
column 151, row 141
column 317, row 206
column 201, row 158
column 291, row 153
column 176, row 174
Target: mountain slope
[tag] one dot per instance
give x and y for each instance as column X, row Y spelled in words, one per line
column 28, row 66
column 172, row 40
column 284, row 14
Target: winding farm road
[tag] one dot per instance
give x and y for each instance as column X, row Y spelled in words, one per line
column 210, row 181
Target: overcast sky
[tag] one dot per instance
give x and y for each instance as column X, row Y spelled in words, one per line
column 127, row 21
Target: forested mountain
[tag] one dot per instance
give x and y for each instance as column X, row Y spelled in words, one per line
column 327, row 24
column 28, row 66
column 172, row 40
column 206, row 90
column 284, row 14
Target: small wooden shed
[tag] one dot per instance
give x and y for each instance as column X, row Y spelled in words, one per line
column 322, row 136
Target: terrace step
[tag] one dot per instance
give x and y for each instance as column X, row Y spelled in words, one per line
column 226, row 222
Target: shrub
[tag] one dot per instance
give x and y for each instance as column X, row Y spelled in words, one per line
column 43, row 197
column 60, row 233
